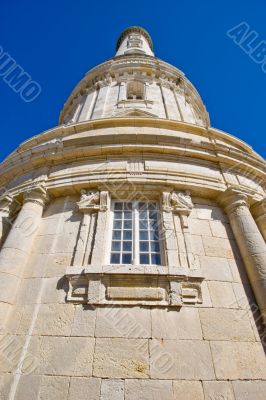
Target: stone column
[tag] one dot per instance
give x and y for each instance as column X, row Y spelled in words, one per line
column 259, row 212
column 17, row 247
column 250, row 242
column 7, row 208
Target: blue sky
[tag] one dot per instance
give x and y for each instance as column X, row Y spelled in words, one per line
column 57, row 42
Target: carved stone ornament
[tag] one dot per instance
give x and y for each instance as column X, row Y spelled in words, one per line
column 89, row 200
column 179, row 202
column 132, row 289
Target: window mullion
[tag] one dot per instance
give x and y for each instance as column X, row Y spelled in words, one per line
column 136, row 234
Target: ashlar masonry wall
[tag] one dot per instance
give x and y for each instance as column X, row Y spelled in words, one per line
column 67, row 352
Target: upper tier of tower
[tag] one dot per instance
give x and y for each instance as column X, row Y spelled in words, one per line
column 135, row 83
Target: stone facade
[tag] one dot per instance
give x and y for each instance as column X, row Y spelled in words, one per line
column 75, row 325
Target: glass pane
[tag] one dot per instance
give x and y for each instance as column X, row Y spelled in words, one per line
column 127, row 206
column 144, row 259
column 127, row 215
column 142, row 206
column 155, row 247
column 117, row 235
column 143, row 225
column 153, row 215
column 156, row 259
column 117, row 224
column 117, row 215
column 152, row 206
column 126, row 258
column 127, row 224
column 144, row 235
column 116, row 246
column 115, row 258
column 144, row 246
column 118, row 206
column 127, row 246
column 143, row 215
column 154, row 235
column 127, row 235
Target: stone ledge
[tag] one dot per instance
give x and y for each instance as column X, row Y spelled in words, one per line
column 124, row 286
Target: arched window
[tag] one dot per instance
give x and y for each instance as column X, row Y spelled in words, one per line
column 135, row 90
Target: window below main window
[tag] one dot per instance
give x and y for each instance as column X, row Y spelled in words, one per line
column 135, row 233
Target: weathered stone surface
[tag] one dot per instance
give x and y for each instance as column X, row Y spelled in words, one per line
column 216, row 268
column 176, row 324
column 112, row 389
column 218, row 390
column 20, row 321
column 238, row 270
column 222, row 294
column 217, row 247
column 11, row 347
column 123, row 322
column 238, row 360
column 221, row 229
column 249, row 390
column 84, row 321
column 200, row 227
column 225, row 324
column 5, row 384
column 42, row 388
column 181, row 359
column 121, row 358
column 148, row 390
column 63, row 356
column 188, row 390
column 197, row 245
column 47, row 265
column 84, row 388
column 54, row 320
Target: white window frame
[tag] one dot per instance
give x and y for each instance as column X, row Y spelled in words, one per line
column 135, row 233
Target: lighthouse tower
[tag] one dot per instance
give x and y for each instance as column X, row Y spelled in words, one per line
column 132, row 246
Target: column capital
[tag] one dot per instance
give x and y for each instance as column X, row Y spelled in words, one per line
column 233, row 198
column 8, row 204
column 259, row 209
column 37, row 194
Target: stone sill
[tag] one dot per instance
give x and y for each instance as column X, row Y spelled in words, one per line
column 139, row 285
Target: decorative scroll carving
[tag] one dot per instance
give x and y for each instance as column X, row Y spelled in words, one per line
column 181, row 201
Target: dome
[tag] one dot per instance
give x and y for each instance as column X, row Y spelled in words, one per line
column 135, row 83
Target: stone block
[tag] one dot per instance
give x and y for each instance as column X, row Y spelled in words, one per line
column 84, row 388
column 176, row 324
column 238, row 360
column 84, row 321
column 8, row 287
column 181, row 359
column 221, row 229
column 197, row 245
column 42, row 388
column 226, row 324
column 112, row 389
column 54, row 290
column 121, row 358
column 29, row 291
column 20, row 320
column 249, row 390
column 244, row 296
column 222, row 294
column 142, row 389
column 188, row 390
column 216, row 268
column 11, row 347
column 123, row 322
column 217, row 247
column 62, row 355
column 218, row 390
column 238, row 271
column 5, row 309
column 5, row 385
column 199, row 227
column 54, row 320
column 47, row 265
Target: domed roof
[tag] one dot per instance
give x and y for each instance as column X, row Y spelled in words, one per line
column 135, row 83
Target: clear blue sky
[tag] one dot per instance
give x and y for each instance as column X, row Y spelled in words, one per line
column 58, row 41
